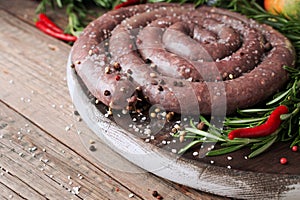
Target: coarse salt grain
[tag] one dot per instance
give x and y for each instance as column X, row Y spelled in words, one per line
column 195, row 153
column 131, row 195
column 177, row 126
column 67, row 128
column 75, row 190
column 229, row 158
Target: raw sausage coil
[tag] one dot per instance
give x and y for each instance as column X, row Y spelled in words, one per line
column 188, row 60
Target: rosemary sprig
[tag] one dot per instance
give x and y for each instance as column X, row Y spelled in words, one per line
column 289, row 130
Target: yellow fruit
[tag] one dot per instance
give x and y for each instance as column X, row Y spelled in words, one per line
column 289, row 8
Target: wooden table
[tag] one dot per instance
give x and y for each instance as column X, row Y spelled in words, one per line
column 41, row 153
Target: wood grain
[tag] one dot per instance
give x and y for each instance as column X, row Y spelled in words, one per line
column 32, row 157
column 34, row 92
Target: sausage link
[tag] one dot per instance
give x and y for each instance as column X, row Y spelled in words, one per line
column 188, row 60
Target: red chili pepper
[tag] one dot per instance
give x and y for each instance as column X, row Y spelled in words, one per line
column 62, row 36
column 44, row 18
column 269, row 127
column 129, row 3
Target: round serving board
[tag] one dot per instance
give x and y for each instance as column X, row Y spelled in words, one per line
column 231, row 175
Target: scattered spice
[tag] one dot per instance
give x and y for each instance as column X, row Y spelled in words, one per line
column 92, row 141
column 153, row 66
column 117, row 66
column 107, row 70
column 106, row 93
column 229, row 158
column 76, row 113
column 131, row 195
column 181, row 135
column 195, row 153
column 159, row 197
column 177, row 126
column 53, row 47
column 283, row 161
column 92, row 148
column 174, row 130
column 129, row 71
column 170, row 116
column 153, row 75
column 200, row 125
column 160, row 88
column 295, row 148
column 152, row 115
column 154, row 82
column 117, row 78
column 162, row 82
column 157, row 110
column 155, row 193
column 138, row 41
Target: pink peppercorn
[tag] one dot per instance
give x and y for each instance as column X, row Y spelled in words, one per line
column 283, row 160
column 295, row 148
column 118, row 77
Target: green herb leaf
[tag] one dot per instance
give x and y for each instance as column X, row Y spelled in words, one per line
column 208, row 135
column 263, row 148
column 189, row 146
column 225, row 150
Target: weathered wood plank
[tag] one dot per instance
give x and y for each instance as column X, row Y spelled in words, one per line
column 38, row 166
column 7, row 193
column 25, row 10
column 14, row 186
column 33, row 83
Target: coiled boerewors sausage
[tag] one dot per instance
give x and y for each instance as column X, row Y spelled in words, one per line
column 188, row 60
